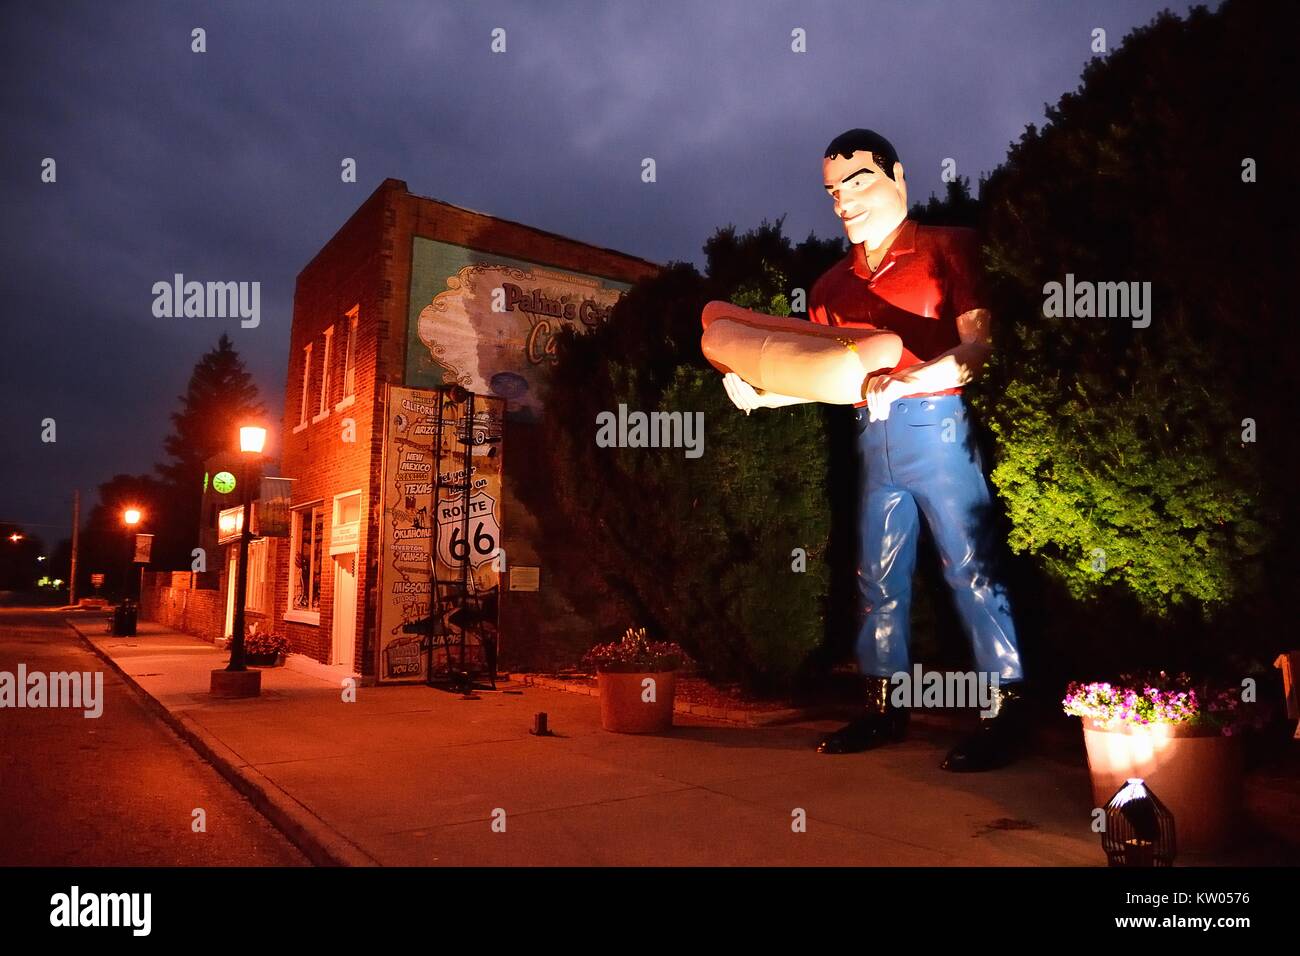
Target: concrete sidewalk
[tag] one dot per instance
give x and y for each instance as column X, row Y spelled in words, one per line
column 414, row 776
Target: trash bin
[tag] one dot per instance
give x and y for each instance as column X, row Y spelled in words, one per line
column 124, row 617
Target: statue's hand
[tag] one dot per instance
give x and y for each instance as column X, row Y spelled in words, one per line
column 743, row 395
column 881, row 393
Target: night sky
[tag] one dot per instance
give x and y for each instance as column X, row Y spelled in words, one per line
column 225, row 165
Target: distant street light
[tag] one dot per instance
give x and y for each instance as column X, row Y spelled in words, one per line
column 124, row 618
column 131, row 518
column 252, row 439
column 15, row 537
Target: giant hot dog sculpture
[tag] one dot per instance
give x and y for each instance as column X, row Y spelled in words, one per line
column 796, row 357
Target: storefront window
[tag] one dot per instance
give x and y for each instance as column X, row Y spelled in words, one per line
column 307, row 563
column 317, row 547
column 256, row 594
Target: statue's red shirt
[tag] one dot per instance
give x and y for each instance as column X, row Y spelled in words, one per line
column 928, row 277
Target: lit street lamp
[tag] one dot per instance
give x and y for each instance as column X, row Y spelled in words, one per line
column 124, row 618
column 130, row 518
column 252, row 439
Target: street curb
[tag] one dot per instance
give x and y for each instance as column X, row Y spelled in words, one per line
column 319, row 842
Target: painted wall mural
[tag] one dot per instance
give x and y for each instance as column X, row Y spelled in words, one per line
column 440, row 534
column 488, row 322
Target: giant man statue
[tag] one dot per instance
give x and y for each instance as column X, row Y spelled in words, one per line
column 917, row 459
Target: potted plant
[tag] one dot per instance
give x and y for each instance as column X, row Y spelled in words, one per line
column 1183, row 740
column 638, row 682
column 262, row 648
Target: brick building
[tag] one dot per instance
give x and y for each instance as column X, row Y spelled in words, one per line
column 411, row 292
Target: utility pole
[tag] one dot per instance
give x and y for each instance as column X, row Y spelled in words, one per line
column 76, row 529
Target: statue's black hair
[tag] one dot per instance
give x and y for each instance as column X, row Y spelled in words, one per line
column 867, row 141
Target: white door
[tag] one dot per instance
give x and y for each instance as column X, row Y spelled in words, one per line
column 232, row 568
column 345, row 609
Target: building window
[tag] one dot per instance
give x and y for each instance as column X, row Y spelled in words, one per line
column 306, row 386
column 306, row 564
column 350, row 359
column 323, row 409
column 256, row 597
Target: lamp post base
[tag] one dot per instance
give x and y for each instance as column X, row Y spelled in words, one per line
column 235, row 683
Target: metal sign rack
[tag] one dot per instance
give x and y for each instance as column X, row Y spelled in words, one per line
column 456, row 611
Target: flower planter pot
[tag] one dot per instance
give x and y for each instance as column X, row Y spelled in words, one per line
column 262, row 660
column 1199, row 778
column 623, row 708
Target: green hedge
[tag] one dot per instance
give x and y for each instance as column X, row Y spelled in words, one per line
column 702, row 548
column 1130, row 440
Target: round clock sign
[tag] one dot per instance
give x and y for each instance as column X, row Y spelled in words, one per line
column 223, row 482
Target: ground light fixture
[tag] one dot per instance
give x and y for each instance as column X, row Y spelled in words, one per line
column 1139, row 828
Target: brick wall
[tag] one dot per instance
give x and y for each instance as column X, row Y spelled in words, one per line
column 546, row 627
column 333, row 453
column 178, row 600
column 367, row 266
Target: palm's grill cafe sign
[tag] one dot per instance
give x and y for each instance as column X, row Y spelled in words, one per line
column 488, row 322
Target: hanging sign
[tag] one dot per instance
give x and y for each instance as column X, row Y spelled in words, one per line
column 344, row 537
column 230, row 524
column 271, row 510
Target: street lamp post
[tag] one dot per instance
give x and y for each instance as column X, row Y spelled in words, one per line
column 251, row 441
column 130, row 518
column 123, row 620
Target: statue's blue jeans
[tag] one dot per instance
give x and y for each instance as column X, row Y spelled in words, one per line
column 922, row 458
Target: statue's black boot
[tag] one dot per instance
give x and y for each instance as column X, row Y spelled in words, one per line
column 998, row 741
column 880, row 723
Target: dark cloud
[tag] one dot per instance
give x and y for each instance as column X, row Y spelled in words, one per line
column 225, row 165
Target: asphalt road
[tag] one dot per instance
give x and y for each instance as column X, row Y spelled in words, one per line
column 117, row 790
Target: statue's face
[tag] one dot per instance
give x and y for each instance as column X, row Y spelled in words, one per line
column 869, row 203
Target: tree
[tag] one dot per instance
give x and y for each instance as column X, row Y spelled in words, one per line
column 701, row 550
column 221, row 396
column 107, row 544
column 957, row 208
column 1123, row 456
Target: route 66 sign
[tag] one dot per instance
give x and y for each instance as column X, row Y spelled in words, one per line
column 479, row 545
